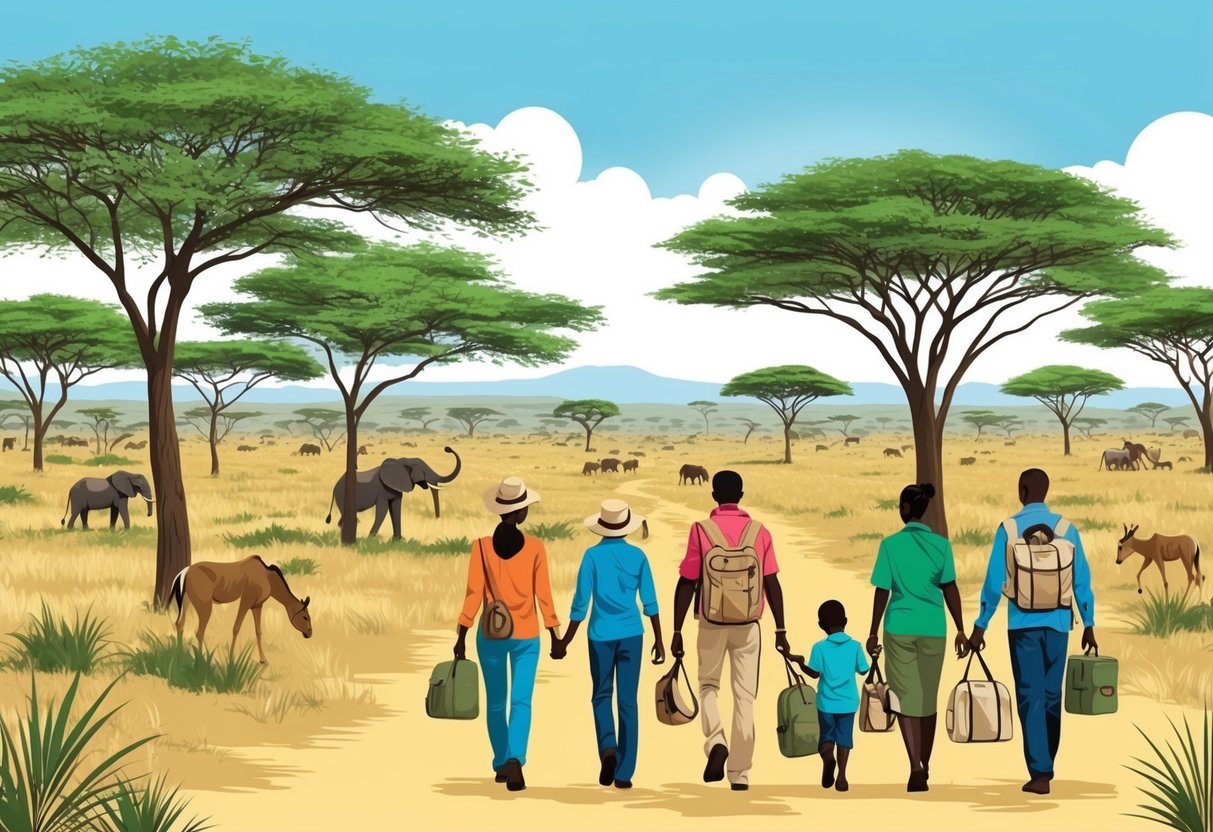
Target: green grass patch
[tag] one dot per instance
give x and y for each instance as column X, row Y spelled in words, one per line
column 299, row 566
column 52, row 644
column 288, row 471
column 841, row 511
column 59, row 459
column 108, row 459
column 1164, row 615
column 972, row 537
column 855, row 538
column 190, row 668
column 1177, row 779
column 274, row 533
column 11, row 495
column 887, row 505
column 1075, row 500
column 553, row 531
column 145, row 805
column 1092, row 525
column 233, row 519
column 136, row 536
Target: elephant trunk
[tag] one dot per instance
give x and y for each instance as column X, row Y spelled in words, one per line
column 149, row 502
column 434, row 478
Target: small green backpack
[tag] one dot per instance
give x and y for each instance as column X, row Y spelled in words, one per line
column 454, row 691
column 796, row 718
column 1091, row 684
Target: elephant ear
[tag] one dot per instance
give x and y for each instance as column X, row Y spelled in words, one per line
column 121, row 481
column 396, row 475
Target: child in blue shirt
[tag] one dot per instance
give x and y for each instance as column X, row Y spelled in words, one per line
column 836, row 660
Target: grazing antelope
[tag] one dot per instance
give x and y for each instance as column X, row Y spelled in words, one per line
column 251, row 581
column 1160, row 548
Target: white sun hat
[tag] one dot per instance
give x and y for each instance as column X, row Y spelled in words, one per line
column 509, row 495
column 615, row 519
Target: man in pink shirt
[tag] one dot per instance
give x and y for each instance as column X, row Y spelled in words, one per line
column 728, row 622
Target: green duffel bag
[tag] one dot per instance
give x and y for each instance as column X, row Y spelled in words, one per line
column 1091, row 684
column 796, row 718
column 454, row 691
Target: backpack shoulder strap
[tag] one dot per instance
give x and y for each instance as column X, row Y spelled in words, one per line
column 1062, row 528
column 490, row 594
column 713, row 533
column 1012, row 529
column 749, row 535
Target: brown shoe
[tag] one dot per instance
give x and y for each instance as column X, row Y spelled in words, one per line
column 714, row 771
column 918, row 782
column 514, row 780
column 499, row 777
column 842, row 785
column 1037, row 785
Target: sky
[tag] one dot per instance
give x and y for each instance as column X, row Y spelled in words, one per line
column 639, row 121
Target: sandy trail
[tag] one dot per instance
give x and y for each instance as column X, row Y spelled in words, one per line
column 407, row 772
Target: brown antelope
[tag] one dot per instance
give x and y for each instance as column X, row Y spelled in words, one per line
column 251, row 581
column 1160, row 548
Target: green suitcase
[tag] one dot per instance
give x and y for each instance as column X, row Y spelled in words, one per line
column 796, row 720
column 1091, row 684
column 454, row 691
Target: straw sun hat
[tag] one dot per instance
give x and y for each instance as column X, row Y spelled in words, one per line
column 615, row 519
column 509, row 495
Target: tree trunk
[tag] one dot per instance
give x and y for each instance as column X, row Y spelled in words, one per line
column 214, row 440
column 39, row 434
column 928, row 455
column 1065, row 432
column 787, row 444
column 1206, row 429
column 172, row 520
column 349, row 499
column 26, row 446
column 589, row 431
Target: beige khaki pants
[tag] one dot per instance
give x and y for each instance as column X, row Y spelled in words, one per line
column 741, row 643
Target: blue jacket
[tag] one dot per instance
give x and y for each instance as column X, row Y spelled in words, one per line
column 1019, row 619
column 613, row 572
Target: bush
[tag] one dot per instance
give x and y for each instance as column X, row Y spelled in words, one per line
column 150, row 807
column 841, row 511
column 1178, row 780
column 59, row 459
column 1165, row 615
column 299, row 566
column 193, row 669
column 51, row 644
column 887, row 505
column 553, row 531
column 233, row 519
column 973, row 537
column 11, row 495
column 109, row 459
column 273, row 533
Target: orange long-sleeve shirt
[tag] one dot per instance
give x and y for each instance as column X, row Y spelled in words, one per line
column 521, row 581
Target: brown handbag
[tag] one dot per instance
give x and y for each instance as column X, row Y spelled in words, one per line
column 876, row 701
column 672, row 708
column 495, row 622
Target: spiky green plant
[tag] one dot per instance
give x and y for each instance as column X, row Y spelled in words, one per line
column 1179, row 780
column 148, row 807
column 189, row 668
column 1164, row 615
column 52, row 644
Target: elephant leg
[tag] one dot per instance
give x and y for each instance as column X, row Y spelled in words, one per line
column 71, row 521
column 257, row 628
column 84, row 519
column 204, row 615
column 113, row 517
column 240, row 613
column 124, row 512
column 380, row 513
column 394, row 509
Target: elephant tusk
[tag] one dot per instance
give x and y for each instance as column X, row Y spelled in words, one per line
column 149, row 499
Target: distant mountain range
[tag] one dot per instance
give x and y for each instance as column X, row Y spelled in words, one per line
column 625, row 385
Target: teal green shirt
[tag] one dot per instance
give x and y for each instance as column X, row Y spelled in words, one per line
column 838, row 658
column 913, row 565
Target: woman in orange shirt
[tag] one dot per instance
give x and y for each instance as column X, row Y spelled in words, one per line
column 517, row 571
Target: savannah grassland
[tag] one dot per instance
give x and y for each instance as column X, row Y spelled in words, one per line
column 333, row 735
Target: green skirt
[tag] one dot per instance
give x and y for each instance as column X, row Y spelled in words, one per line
column 913, row 665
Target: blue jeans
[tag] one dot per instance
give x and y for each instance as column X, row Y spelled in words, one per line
column 1038, row 660
column 838, row 729
column 618, row 659
column 508, row 735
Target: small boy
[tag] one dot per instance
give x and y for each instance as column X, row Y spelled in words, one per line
column 836, row 660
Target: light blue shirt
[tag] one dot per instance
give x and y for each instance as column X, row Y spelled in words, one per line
column 838, row 657
column 996, row 575
column 612, row 573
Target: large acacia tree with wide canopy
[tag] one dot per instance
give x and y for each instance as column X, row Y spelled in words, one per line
column 158, row 163
column 932, row 260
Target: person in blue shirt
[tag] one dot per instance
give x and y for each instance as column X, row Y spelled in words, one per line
column 836, row 660
column 613, row 573
column 1038, row 638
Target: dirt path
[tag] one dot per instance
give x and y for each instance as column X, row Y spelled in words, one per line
column 407, row 772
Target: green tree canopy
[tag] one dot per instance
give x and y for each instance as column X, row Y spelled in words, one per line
column 1176, row 421
column 933, row 260
column 1172, row 326
column 980, row 419
column 472, row 417
column 704, row 407
column 224, row 371
column 1064, row 389
column 323, row 423
column 58, row 340
column 845, row 419
column 1150, row 410
column 1087, row 425
column 589, row 413
column 421, row 415
column 787, row 390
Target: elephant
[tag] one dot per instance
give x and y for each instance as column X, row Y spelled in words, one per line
column 631, row 465
column 383, row 488
column 93, row 493
column 968, row 460
column 610, row 464
column 10, row 444
column 1115, row 459
column 1137, row 452
column 136, row 446
column 693, row 474
column 851, row 440
column 308, row 449
column 589, row 468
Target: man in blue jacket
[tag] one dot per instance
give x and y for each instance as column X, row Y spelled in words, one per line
column 1038, row 638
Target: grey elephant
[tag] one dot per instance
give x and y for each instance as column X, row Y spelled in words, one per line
column 383, row 488
column 94, row 494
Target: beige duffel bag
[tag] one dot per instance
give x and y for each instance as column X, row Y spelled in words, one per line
column 877, row 703
column 979, row 711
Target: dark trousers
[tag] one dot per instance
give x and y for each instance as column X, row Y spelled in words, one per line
column 611, row 662
column 1038, row 660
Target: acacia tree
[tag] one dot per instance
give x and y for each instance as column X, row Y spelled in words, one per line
column 434, row 305
column 1064, row 389
column 55, row 339
column 1176, row 421
column 750, row 427
column 214, row 427
column 103, row 418
column 1170, row 325
column 1150, row 410
column 846, row 419
column 980, row 419
column 787, row 390
column 421, row 415
column 1086, row 425
column 471, row 417
column 704, row 407
column 224, row 371
column 884, row 422
column 933, row 260
column 589, row 413
column 323, row 422
column 183, row 157
column 1009, row 424
column 20, row 412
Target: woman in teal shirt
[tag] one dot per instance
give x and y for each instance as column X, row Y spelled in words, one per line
column 915, row 576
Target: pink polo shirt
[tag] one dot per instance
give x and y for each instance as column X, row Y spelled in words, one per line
column 732, row 521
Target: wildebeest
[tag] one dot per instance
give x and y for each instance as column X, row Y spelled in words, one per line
column 852, row 440
column 905, row 448
column 362, row 450
column 695, row 474
column 1185, row 459
column 667, row 447
column 888, row 452
column 1159, row 548
column 75, row 442
column 589, row 468
column 610, row 464
column 1164, row 464
column 1009, row 442
column 308, row 449
column 10, row 443
column 968, row 460
column 246, row 448
column 136, row 446
column 1115, row 459
column 1191, row 434
column 631, row 465
column 823, row 447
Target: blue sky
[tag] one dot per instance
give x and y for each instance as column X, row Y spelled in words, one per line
column 679, row 90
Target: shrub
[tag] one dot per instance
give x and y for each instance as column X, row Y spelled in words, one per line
column 59, row 459
column 1164, row 615
column 109, row 459
column 194, row 669
column 271, row 534
column 149, row 807
column 287, row 471
column 51, row 644
column 553, row 531
column 886, row 505
column 1178, row 780
column 841, row 511
column 1093, row 525
column 11, row 495
column 299, row 566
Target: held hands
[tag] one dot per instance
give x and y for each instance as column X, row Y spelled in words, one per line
column 676, row 645
column 781, row 643
column 977, row 639
column 658, row 653
column 962, row 645
column 560, row 648
column 1088, row 640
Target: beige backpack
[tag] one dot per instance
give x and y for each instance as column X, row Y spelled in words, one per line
column 731, row 576
column 1040, row 573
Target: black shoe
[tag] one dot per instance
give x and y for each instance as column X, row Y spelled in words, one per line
column 740, row 787
column 714, row 771
column 623, row 784
column 500, row 776
column 514, row 780
column 827, row 773
column 918, row 782
column 842, row 785
column 1037, row 785
column 607, row 773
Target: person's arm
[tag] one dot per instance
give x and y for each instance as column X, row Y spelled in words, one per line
column 543, row 594
column 648, row 599
column 773, row 589
column 582, row 596
column 991, row 589
column 474, row 592
column 882, row 580
column 861, row 663
column 658, row 645
column 951, row 599
column 1084, row 597
column 684, row 592
column 814, row 666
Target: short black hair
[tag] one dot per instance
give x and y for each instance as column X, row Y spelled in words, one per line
column 727, row 487
column 1036, row 482
column 832, row 614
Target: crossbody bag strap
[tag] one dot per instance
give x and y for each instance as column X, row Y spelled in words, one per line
column 488, row 578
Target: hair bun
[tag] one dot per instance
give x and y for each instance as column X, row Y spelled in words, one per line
column 928, row 490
